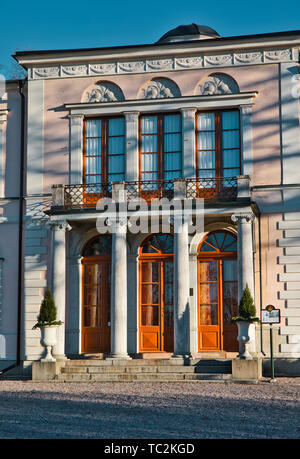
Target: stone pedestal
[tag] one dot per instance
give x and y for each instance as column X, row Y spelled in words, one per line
column 247, row 370
column 46, row 371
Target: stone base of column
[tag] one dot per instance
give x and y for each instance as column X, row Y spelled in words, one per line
column 60, row 357
column 118, row 357
column 187, row 355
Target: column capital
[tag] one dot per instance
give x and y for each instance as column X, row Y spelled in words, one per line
column 180, row 218
column 246, row 109
column 3, row 116
column 75, row 259
column 59, row 226
column 243, row 217
column 76, row 120
column 131, row 115
column 188, row 112
column 118, row 224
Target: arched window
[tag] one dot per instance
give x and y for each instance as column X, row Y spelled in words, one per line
column 218, row 241
column 158, row 244
column 100, row 246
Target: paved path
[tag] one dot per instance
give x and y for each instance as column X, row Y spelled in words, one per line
column 150, row 411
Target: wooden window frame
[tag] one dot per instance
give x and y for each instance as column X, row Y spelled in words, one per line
column 104, row 146
column 160, row 143
column 218, row 141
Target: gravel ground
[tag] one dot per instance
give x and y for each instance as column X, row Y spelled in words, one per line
column 149, row 411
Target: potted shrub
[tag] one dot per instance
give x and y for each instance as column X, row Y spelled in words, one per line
column 246, row 317
column 48, row 323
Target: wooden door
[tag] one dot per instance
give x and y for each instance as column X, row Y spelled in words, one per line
column 217, row 292
column 96, row 306
column 217, row 304
column 209, row 330
column 156, row 327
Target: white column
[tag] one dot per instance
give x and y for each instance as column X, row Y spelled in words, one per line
column 119, row 290
column 188, row 145
column 75, row 295
column 76, row 148
column 181, row 288
column 59, row 282
column 245, row 251
column 132, row 146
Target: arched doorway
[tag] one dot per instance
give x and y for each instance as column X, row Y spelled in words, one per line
column 217, row 292
column 156, row 317
column 96, row 288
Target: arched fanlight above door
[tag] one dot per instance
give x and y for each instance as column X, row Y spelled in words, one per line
column 218, row 241
column 100, row 246
column 158, row 244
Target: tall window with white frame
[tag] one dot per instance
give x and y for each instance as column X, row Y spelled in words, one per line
column 218, row 146
column 104, row 150
column 160, row 147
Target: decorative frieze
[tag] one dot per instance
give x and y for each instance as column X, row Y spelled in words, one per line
column 248, row 57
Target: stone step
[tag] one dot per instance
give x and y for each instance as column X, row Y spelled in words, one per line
column 149, row 362
column 113, row 369
column 141, row 377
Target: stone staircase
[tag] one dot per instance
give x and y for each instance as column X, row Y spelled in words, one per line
column 146, row 370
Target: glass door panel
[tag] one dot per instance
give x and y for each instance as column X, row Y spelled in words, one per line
column 168, row 307
column 209, row 333
column 150, row 306
column 230, row 304
column 96, row 307
column 156, row 306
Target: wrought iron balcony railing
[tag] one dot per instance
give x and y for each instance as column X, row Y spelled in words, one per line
column 86, row 196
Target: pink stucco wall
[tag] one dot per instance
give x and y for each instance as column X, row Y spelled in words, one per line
column 265, row 118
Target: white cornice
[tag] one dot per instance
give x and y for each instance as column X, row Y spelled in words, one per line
column 100, row 65
column 172, row 104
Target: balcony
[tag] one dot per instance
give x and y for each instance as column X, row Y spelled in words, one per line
column 212, row 190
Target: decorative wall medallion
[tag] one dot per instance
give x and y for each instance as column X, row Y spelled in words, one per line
column 189, row 62
column 74, row 70
column 218, row 84
column 160, row 88
column 46, row 72
column 104, row 92
column 160, row 64
column 248, row 58
column 99, row 69
column 279, row 55
column 128, row 67
column 225, row 59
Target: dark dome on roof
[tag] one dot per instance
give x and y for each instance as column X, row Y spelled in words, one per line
column 187, row 33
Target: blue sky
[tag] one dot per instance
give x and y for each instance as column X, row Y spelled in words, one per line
column 63, row 24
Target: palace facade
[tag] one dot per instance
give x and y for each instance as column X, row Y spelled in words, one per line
column 195, row 117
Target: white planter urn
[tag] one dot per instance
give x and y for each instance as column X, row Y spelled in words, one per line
column 243, row 339
column 49, row 339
